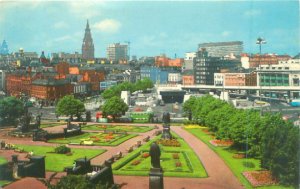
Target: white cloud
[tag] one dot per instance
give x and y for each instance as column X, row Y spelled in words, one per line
column 60, row 25
column 63, row 38
column 108, row 26
column 85, row 8
column 252, row 12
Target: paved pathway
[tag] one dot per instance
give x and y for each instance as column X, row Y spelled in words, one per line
column 219, row 175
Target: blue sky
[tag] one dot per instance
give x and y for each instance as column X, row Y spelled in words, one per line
column 152, row 27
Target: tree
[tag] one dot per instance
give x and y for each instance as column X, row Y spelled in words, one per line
column 11, row 109
column 115, row 107
column 70, row 106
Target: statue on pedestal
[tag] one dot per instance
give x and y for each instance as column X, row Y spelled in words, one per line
column 156, row 172
column 166, row 126
column 155, row 155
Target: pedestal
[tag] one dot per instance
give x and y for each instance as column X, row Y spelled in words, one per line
column 156, row 178
column 166, row 132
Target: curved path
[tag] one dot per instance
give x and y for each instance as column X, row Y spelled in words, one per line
column 219, row 175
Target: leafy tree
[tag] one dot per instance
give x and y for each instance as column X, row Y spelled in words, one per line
column 280, row 150
column 70, row 106
column 11, row 109
column 127, row 86
column 143, row 84
column 115, row 107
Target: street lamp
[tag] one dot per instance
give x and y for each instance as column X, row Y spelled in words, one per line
column 260, row 41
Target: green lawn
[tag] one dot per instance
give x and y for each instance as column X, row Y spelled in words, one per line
column 191, row 165
column 238, row 166
column 52, row 124
column 57, row 162
column 119, row 128
column 4, row 182
column 99, row 139
column 2, row 160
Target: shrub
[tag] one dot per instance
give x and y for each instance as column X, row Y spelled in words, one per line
column 62, row 149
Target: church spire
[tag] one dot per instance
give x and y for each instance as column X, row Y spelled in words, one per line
column 87, row 45
column 87, row 25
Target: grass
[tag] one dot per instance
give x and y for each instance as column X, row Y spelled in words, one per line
column 98, row 139
column 52, row 124
column 237, row 166
column 57, row 162
column 4, row 182
column 137, row 129
column 2, row 160
column 191, row 165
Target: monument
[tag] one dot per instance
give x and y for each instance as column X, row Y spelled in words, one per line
column 156, row 172
column 166, row 126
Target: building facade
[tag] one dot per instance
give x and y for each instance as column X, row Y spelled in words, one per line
column 2, row 80
column 117, row 52
column 50, row 89
column 267, row 59
column 221, row 49
column 88, row 45
column 188, row 80
column 205, row 67
column 156, row 75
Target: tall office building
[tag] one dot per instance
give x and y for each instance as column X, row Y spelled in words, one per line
column 205, row 67
column 117, row 52
column 221, row 49
column 88, row 45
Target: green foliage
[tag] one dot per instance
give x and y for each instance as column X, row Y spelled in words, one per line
column 115, row 107
column 280, row 149
column 62, row 149
column 127, row 86
column 70, row 106
column 75, row 181
column 11, row 109
column 274, row 141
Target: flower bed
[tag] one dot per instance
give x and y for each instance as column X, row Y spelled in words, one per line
column 239, row 156
column 175, row 156
column 259, row 178
column 136, row 162
column 145, row 155
column 221, row 142
column 173, row 142
column 178, row 164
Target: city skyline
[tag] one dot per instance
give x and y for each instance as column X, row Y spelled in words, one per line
column 151, row 27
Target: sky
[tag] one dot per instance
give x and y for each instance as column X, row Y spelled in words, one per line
column 152, row 27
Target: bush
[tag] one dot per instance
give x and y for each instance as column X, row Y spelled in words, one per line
column 63, row 149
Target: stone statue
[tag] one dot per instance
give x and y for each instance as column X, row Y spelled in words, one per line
column 38, row 121
column 166, row 126
column 166, row 118
column 155, row 155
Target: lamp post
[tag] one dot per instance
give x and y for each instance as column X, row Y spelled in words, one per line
column 260, row 41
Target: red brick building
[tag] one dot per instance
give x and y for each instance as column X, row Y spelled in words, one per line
column 18, row 83
column 188, row 80
column 162, row 61
column 50, row 89
column 267, row 59
column 240, row 79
